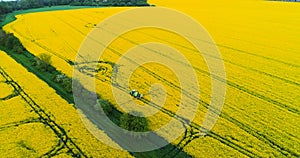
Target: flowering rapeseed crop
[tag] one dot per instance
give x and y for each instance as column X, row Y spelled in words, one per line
column 259, row 42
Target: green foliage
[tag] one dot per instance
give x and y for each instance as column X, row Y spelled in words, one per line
column 43, row 62
column 59, row 78
column 18, row 49
column 45, row 58
column 8, row 7
column 10, row 42
column 27, row 4
column 2, row 37
column 134, row 123
column 106, row 106
column 67, row 84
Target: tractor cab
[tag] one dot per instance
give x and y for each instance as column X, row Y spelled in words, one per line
column 136, row 94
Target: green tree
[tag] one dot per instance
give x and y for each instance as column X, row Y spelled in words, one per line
column 136, row 123
column 44, row 61
column 105, row 105
column 18, row 49
column 6, row 7
column 9, row 42
column 2, row 37
column 67, row 84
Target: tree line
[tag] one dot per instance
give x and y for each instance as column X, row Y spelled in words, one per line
column 10, row 6
column 9, row 41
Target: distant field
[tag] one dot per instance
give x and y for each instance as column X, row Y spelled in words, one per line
column 259, row 43
column 11, row 16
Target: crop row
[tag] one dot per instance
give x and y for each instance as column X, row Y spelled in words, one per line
column 65, row 141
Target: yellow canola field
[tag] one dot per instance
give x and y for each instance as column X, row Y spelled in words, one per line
column 21, row 130
column 18, row 124
column 38, row 36
column 259, row 43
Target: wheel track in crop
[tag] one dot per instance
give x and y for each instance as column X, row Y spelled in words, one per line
column 27, row 29
column 226, row 61
column 241, row 125
column 237, row 50
column 223, row 46
column 191, row 133
column 245, row 128
column 260, row 56
column 19, row 123
column 275, row 102
column 54, row 151
column 240, row 87
column 224, row 140
column 64, row 140
column 14, row 94
column 41, row 46
column 194, row 131
column 230, row 83
column 257, row 93
column 252, row 131
column 294, row 51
